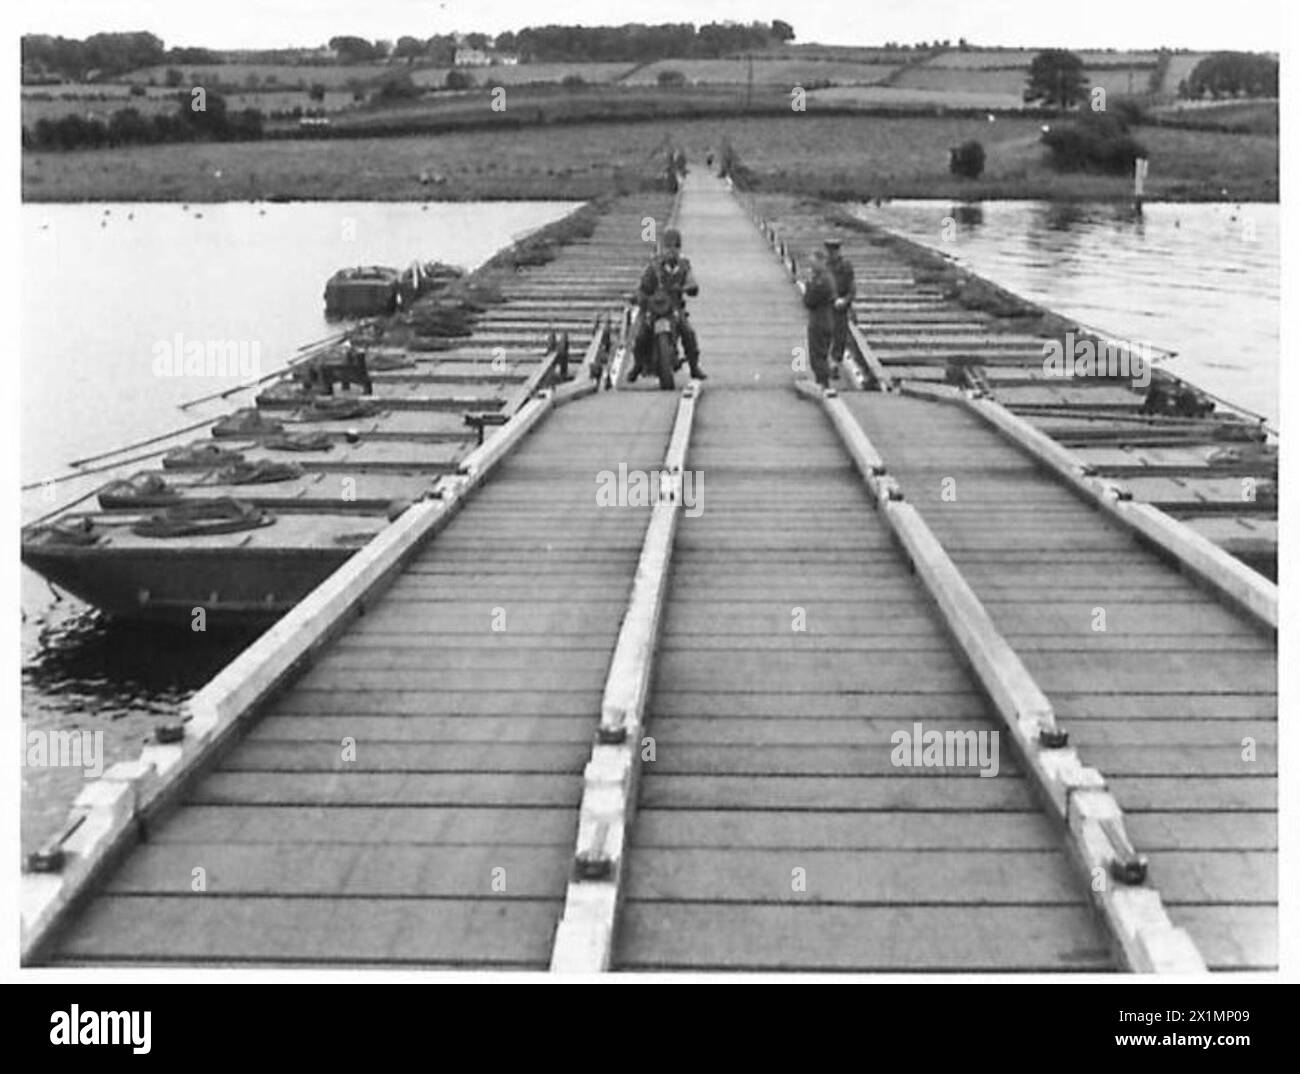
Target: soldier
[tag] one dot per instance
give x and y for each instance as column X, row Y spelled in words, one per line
column 819, row 297
column 845, row 288
column 664, row 285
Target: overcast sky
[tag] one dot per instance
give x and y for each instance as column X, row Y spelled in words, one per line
column 1196, row 24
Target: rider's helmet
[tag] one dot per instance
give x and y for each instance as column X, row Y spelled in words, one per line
column 672, row 239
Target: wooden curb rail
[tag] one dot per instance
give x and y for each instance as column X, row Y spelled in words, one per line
column 873, row 365
column 584, row 938
column 1196, row 554
column 1145, row 938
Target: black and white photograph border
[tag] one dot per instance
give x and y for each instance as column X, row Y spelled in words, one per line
column 783, row 493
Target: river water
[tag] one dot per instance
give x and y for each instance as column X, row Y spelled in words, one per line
column 1199, row 279
column 104, row 287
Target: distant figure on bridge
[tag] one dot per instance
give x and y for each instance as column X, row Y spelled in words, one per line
column 819, row 297
column 666, row 282
column 842, row 306
column 675, row 171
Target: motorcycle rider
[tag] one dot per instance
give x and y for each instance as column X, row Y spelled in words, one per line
column 664, row 284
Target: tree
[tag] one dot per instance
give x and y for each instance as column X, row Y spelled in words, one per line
column 671, row 78
column 458, row 80
column 408, row 48
column 441, row 49
column 114, row 54
column 399, row 87
column 1232, row 74
column 1096, row 142
column 211, row 122
column 1056, row 77
column 174, row 77
column 477, row 40
column 128, row 127
column 967, row 160
column 317, row 91
column 352, row 49
column 505, row 42
column 782, row 31
column 194, row 56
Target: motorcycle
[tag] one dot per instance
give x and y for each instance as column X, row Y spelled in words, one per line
column 656, row 348
column 664, row 351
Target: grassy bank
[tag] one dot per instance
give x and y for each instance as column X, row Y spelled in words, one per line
column 839, row 157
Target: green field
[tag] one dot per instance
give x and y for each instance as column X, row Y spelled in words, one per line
column 942, row 78
column 574, row 130
column 97, row 104
column 1255, row 117
column 852, row 157
column 295, row 76
column 834, row 156
column 1006, row 85
column 768, row 71
column 564, row 163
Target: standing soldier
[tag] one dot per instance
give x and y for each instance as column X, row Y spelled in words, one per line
column 819, row 298
column 842, row 306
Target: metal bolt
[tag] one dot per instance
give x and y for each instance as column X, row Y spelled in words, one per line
column 611, row 736
column 592, row 865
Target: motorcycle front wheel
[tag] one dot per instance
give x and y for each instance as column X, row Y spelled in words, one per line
column 665, row 360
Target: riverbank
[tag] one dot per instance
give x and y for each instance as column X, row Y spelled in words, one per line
column 841, row 157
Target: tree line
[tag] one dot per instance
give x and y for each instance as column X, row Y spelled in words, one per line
column 638, row 43
column 128, row 126
column 105, row 55
column 1232, row 74
column 629, row 43
column 112, row 54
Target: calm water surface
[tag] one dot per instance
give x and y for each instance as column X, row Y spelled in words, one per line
column 1202, row 280
column 103, row 285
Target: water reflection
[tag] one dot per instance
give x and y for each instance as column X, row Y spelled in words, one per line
column 116, row 669
column 1199, row 279
column 1061, row 216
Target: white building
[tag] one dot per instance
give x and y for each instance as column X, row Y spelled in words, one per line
column 471, row 57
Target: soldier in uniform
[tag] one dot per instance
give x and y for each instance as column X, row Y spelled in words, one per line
column 666, row 282
column 819, row 298
column 842, row 305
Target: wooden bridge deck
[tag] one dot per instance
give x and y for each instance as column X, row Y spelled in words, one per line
column 769, row 828
column 796, row 641
column 1162, row 687
column 468, row 690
